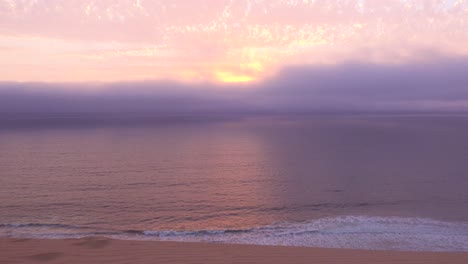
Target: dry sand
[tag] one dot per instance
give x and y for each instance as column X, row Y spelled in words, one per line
column 103, row 250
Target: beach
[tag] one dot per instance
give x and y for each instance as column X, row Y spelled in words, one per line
column 104, row 250
column 234, row 131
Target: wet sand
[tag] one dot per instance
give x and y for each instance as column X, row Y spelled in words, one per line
column 103, row 250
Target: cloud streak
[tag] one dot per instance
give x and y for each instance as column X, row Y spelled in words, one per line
column 440, row 85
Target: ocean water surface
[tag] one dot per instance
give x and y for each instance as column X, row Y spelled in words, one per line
column 338, row 181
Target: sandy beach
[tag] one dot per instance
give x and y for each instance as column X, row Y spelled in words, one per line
column 103, row 250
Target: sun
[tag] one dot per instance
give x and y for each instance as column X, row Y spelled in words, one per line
column 229, row 77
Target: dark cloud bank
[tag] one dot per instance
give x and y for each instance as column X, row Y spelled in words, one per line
column 437, row 86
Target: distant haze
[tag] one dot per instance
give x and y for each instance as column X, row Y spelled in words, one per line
column 440, row 85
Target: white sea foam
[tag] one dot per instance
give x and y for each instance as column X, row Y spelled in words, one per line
column 358, row 232
column 355, row 232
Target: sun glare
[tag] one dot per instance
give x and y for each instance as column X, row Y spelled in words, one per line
column 229, row 77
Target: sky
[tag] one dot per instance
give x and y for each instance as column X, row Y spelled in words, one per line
column 291, row 55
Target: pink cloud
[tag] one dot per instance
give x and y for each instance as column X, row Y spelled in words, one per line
column 209, row 37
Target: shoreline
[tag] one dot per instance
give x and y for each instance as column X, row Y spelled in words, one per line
column 106, row 250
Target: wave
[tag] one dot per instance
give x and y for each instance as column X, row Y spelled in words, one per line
column 196, row 233
column 41, row 225
column 51, row 230
column 355, row 232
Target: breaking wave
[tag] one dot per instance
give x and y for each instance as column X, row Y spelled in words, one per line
column 355, row 232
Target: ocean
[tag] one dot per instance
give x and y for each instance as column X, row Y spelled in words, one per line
column 393, row 182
